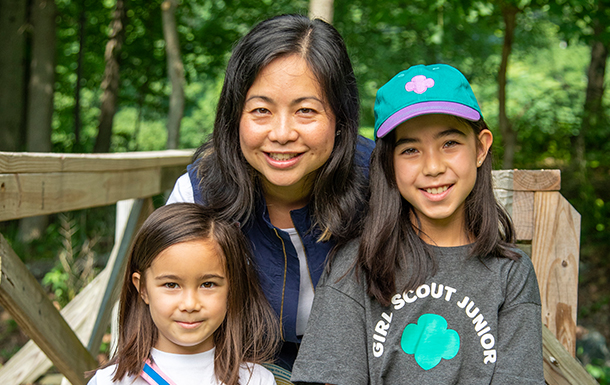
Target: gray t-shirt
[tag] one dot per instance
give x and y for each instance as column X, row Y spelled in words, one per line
column 474, row 322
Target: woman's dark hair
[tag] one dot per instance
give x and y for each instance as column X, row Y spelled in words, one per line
column 249, row 332
column 391, row 240
column 228, row 182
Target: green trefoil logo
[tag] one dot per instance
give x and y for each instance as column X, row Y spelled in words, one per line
column 430, row 341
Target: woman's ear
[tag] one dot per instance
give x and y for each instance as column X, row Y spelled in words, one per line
column 486, row 138
column 135, row 279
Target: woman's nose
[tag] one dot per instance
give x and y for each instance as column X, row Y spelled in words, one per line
column 283, row 130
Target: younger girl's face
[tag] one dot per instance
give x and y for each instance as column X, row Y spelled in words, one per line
column 435, row 161
column 186, row 289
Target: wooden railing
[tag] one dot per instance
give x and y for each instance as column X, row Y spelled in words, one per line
column 548, row 229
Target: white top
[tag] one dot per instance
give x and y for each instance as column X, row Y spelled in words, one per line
column 187, row 369
column 183, row 192
column 306, row 292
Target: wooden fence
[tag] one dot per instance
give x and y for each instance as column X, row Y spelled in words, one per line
column 548, row 229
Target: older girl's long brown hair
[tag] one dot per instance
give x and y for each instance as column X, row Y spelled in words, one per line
column 390, row 240
column 250, row 330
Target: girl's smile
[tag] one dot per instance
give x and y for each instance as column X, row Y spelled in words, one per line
column 186, row 290
column 435, row 163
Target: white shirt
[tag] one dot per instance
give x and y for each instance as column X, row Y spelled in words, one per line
column 187, row 369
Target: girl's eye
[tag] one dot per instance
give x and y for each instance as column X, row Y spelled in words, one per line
column 208, row 285
column 451, row 143
column 171, row 285
column 408, row 151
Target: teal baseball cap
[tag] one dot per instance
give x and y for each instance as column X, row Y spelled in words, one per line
column 421, row 90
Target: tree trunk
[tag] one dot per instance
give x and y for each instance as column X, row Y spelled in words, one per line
column 40, row 98
column 321, row 9
column 12, row 75
column 42, row 77
column 509, row 136
column 110, row 82
column 79, row 77
column 175, row 71
column 593, row 112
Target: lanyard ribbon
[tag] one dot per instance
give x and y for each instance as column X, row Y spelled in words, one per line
column 154, row 376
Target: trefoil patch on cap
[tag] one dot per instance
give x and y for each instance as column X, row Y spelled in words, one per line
column 419, row 84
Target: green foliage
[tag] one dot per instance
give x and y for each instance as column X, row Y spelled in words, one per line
column 76, row 263
column 600, row 373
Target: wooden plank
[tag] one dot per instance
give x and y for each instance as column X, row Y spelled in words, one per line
column 523, row 215
column 536, row 180
column 555, row 254
column 560, row 368
column 29, row 162
column 141, row 209
column 23, row 195
column 29, row 363
column 29, row 305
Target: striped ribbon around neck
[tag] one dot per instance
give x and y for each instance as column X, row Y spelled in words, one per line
column 154, row 376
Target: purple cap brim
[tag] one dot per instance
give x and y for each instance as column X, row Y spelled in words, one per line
column 424, row 108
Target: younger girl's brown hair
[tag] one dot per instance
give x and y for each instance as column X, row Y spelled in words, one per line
column 250, row 330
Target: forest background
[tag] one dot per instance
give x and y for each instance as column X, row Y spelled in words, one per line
column 135, row 75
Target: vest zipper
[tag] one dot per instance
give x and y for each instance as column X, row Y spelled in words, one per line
column 283, row 286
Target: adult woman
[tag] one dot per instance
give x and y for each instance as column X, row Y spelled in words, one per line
column 296, row 184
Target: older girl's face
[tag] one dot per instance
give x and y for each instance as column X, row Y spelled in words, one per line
column 287, row 129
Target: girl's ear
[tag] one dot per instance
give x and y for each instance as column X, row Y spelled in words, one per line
column 135, row 279
column 486, row 138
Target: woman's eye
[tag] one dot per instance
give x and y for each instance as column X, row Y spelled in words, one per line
column 305, row 110
column 171, row 285
column 208, row 285
column 451, row 143
column 261, row 111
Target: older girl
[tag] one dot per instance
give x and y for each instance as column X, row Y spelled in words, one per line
column 440, row 294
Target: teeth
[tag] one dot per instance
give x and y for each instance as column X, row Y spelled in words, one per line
column 437, row 190
column 277, row 156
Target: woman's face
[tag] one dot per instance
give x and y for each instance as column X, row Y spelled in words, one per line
column 287, row 129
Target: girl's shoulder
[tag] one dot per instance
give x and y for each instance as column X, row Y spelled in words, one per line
column 255, row 374
column 104, row 377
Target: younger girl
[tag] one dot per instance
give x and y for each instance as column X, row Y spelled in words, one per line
column 439, row 295
column 191, row 309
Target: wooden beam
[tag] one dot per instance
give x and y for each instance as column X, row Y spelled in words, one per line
column 29, row 363
column 527, row 180
column 140, row 210
column 523, row 215
column 537, row 180
column 29, row 305
column 30, row 162
column 555, row 254
column 560, row 368
column 24, row 195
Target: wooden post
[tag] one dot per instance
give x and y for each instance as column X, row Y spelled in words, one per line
column 548, row 228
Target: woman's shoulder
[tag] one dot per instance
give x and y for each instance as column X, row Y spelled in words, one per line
column 255, row 374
